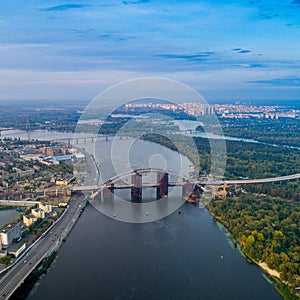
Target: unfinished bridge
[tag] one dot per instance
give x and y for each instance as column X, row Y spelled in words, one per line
column 164, row 180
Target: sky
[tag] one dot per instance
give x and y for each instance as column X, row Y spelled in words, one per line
column 72, row 50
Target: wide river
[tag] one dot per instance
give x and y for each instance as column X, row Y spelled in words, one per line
column 182, row 256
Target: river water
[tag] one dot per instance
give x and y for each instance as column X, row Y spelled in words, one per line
column 6, row 215
column 182, row 256
column 183, row 125
column 178, row 257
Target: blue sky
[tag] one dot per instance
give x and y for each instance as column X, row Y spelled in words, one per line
column 72, row 50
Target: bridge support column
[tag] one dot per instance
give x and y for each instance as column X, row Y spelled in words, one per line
column 136, row 190
column 163, row 188
column 187, row 189
column 108, row 192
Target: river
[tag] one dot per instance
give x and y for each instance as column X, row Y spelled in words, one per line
column 6, row 215
column 182, row 256
column 178, row 257
column 183, row 125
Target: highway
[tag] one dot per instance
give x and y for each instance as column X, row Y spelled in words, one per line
column 17, row 274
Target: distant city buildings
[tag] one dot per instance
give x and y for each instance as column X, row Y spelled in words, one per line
column 197, row 109
column 240, row 111
column 24, row 167
column 222, row 110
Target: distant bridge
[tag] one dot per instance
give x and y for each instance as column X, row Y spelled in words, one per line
column 78, row 139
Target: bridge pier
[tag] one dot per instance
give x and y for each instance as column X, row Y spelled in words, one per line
column 108, row 192
column 187, row 189
column 163, row 188
column 136, row 190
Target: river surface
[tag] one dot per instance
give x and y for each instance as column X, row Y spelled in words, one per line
column 182, row 256
column 6, row 215
column 178, row 257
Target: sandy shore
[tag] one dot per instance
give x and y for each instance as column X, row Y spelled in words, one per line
column 270, row 271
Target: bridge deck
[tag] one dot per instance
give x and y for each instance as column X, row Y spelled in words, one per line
column 200, row 183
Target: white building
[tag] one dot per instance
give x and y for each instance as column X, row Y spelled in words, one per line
column 10, row 233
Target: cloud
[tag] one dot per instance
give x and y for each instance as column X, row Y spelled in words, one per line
column 127, row 38
column 240, row 50
column 201, row 56
column 64, row 7
column 244, row 51
column 288, row 81
column 105, row 36
column 296, row 2
column 268, row 16
column 136, row 2
column 256, row 66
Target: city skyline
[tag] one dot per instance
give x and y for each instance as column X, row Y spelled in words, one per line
column 72, row 50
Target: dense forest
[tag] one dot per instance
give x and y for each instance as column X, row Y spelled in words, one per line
column 283, row 131
column 243, row 159
column 268, row 229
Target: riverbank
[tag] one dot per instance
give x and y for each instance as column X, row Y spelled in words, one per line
column 270, row 271
column 238, row 244
column 33, row 277
column 281, row 287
